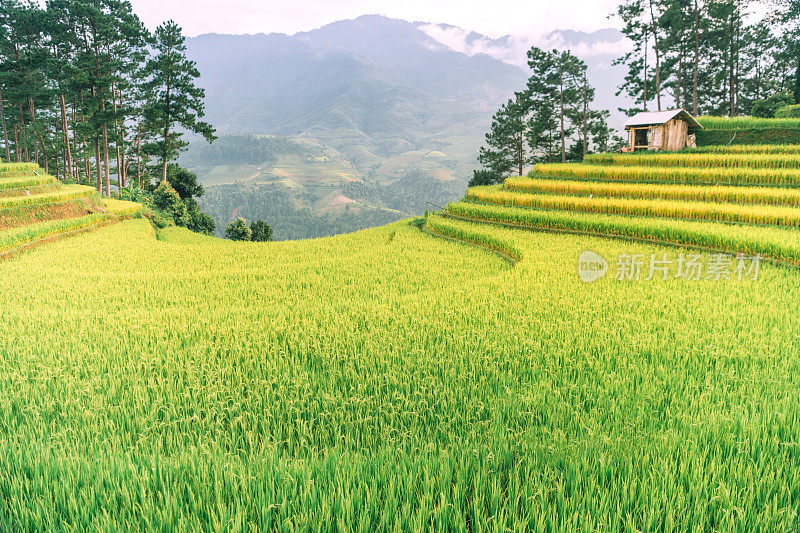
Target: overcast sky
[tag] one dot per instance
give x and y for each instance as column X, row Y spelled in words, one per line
column 491, row 17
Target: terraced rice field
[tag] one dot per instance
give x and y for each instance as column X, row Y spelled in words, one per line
column 673, row 174
column 35, row 207
column 702, row 160
column 393, row 380
column 390, row 381
column 673, row 198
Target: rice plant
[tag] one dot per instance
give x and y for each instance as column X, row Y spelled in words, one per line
column 684, row 175
column 391, row 380
column 23, row 235
column 700, row 193
column 24, row 180
column 62, row 194
column 121, row 208
column 704, row 160
column 748, row 149
column 743, row 123
column 782, row 244
column 720, row 212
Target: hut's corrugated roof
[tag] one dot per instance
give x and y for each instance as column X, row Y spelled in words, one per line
column 661, row 117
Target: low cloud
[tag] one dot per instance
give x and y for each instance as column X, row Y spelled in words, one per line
column 512, row 49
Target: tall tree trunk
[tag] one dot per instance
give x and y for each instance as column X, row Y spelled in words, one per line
column 139, row 154
column 32, row 111
column 696, row 66
column 16, row 144
column 166, row 140
column 24, row 133
column 44, row 155
column 644, row 76
column 106, row 173
column 5, row 130
column 681, row 101
column 585, row 125
column 65, row 129
column 98, row 162
column 119, row 138
column 167, row 121
column 658, row 55
column 561, row 111
column 75, row 147
column 732, row 67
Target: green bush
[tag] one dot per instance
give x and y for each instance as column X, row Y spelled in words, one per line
column 714, row 137
column 768, row 107
column 199, row 222
column 167, row 199
column 484, row 177
column 789, row 111
column 747, row 123
column 238, row 230
column 261, row 231
column 184, row 182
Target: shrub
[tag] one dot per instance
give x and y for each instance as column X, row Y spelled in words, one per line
column 184, row 182
column 261, row 231
column 167, row 199
column 238, row 230
column 756, row 136
column 484, row 177
column 767, row 107
column 199, row 222
column 789, row 111
column 133, row 193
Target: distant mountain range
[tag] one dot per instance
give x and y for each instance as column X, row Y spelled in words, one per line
column 375, row 96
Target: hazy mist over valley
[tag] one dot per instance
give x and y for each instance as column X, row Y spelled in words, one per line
column 379, row 116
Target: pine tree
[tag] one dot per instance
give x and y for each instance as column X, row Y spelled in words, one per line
column 505, row 149
column 557, row 79
column 174, row 98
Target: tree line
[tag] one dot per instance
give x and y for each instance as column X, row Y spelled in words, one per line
column 552, row 119
column 711, row 57
column 88, row 93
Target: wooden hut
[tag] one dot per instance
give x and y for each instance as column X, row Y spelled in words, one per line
column 661, row 130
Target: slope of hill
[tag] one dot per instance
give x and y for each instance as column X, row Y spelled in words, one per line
column 717, row 199
column 390, row 379
column 36, row 208
column 381, row 93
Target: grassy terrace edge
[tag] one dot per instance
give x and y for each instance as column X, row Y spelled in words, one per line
column 63, row 194
column 667, row 175
column 746, row 149
column 24, row 180
column 121, row 208
column 702, row 193
column 691, row 210
column 701, row 160
column 24, row 235
column 777, row 244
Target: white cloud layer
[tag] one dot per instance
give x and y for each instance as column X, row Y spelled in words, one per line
column 513, row 48
column 496, row 18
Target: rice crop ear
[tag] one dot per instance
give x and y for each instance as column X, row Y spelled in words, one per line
column 701, row 160
column 701, row 193
column 683, row 175
column 12, row 238
column 713, row 211
column 746, row 123
column 747, row 149
column 778, row 243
